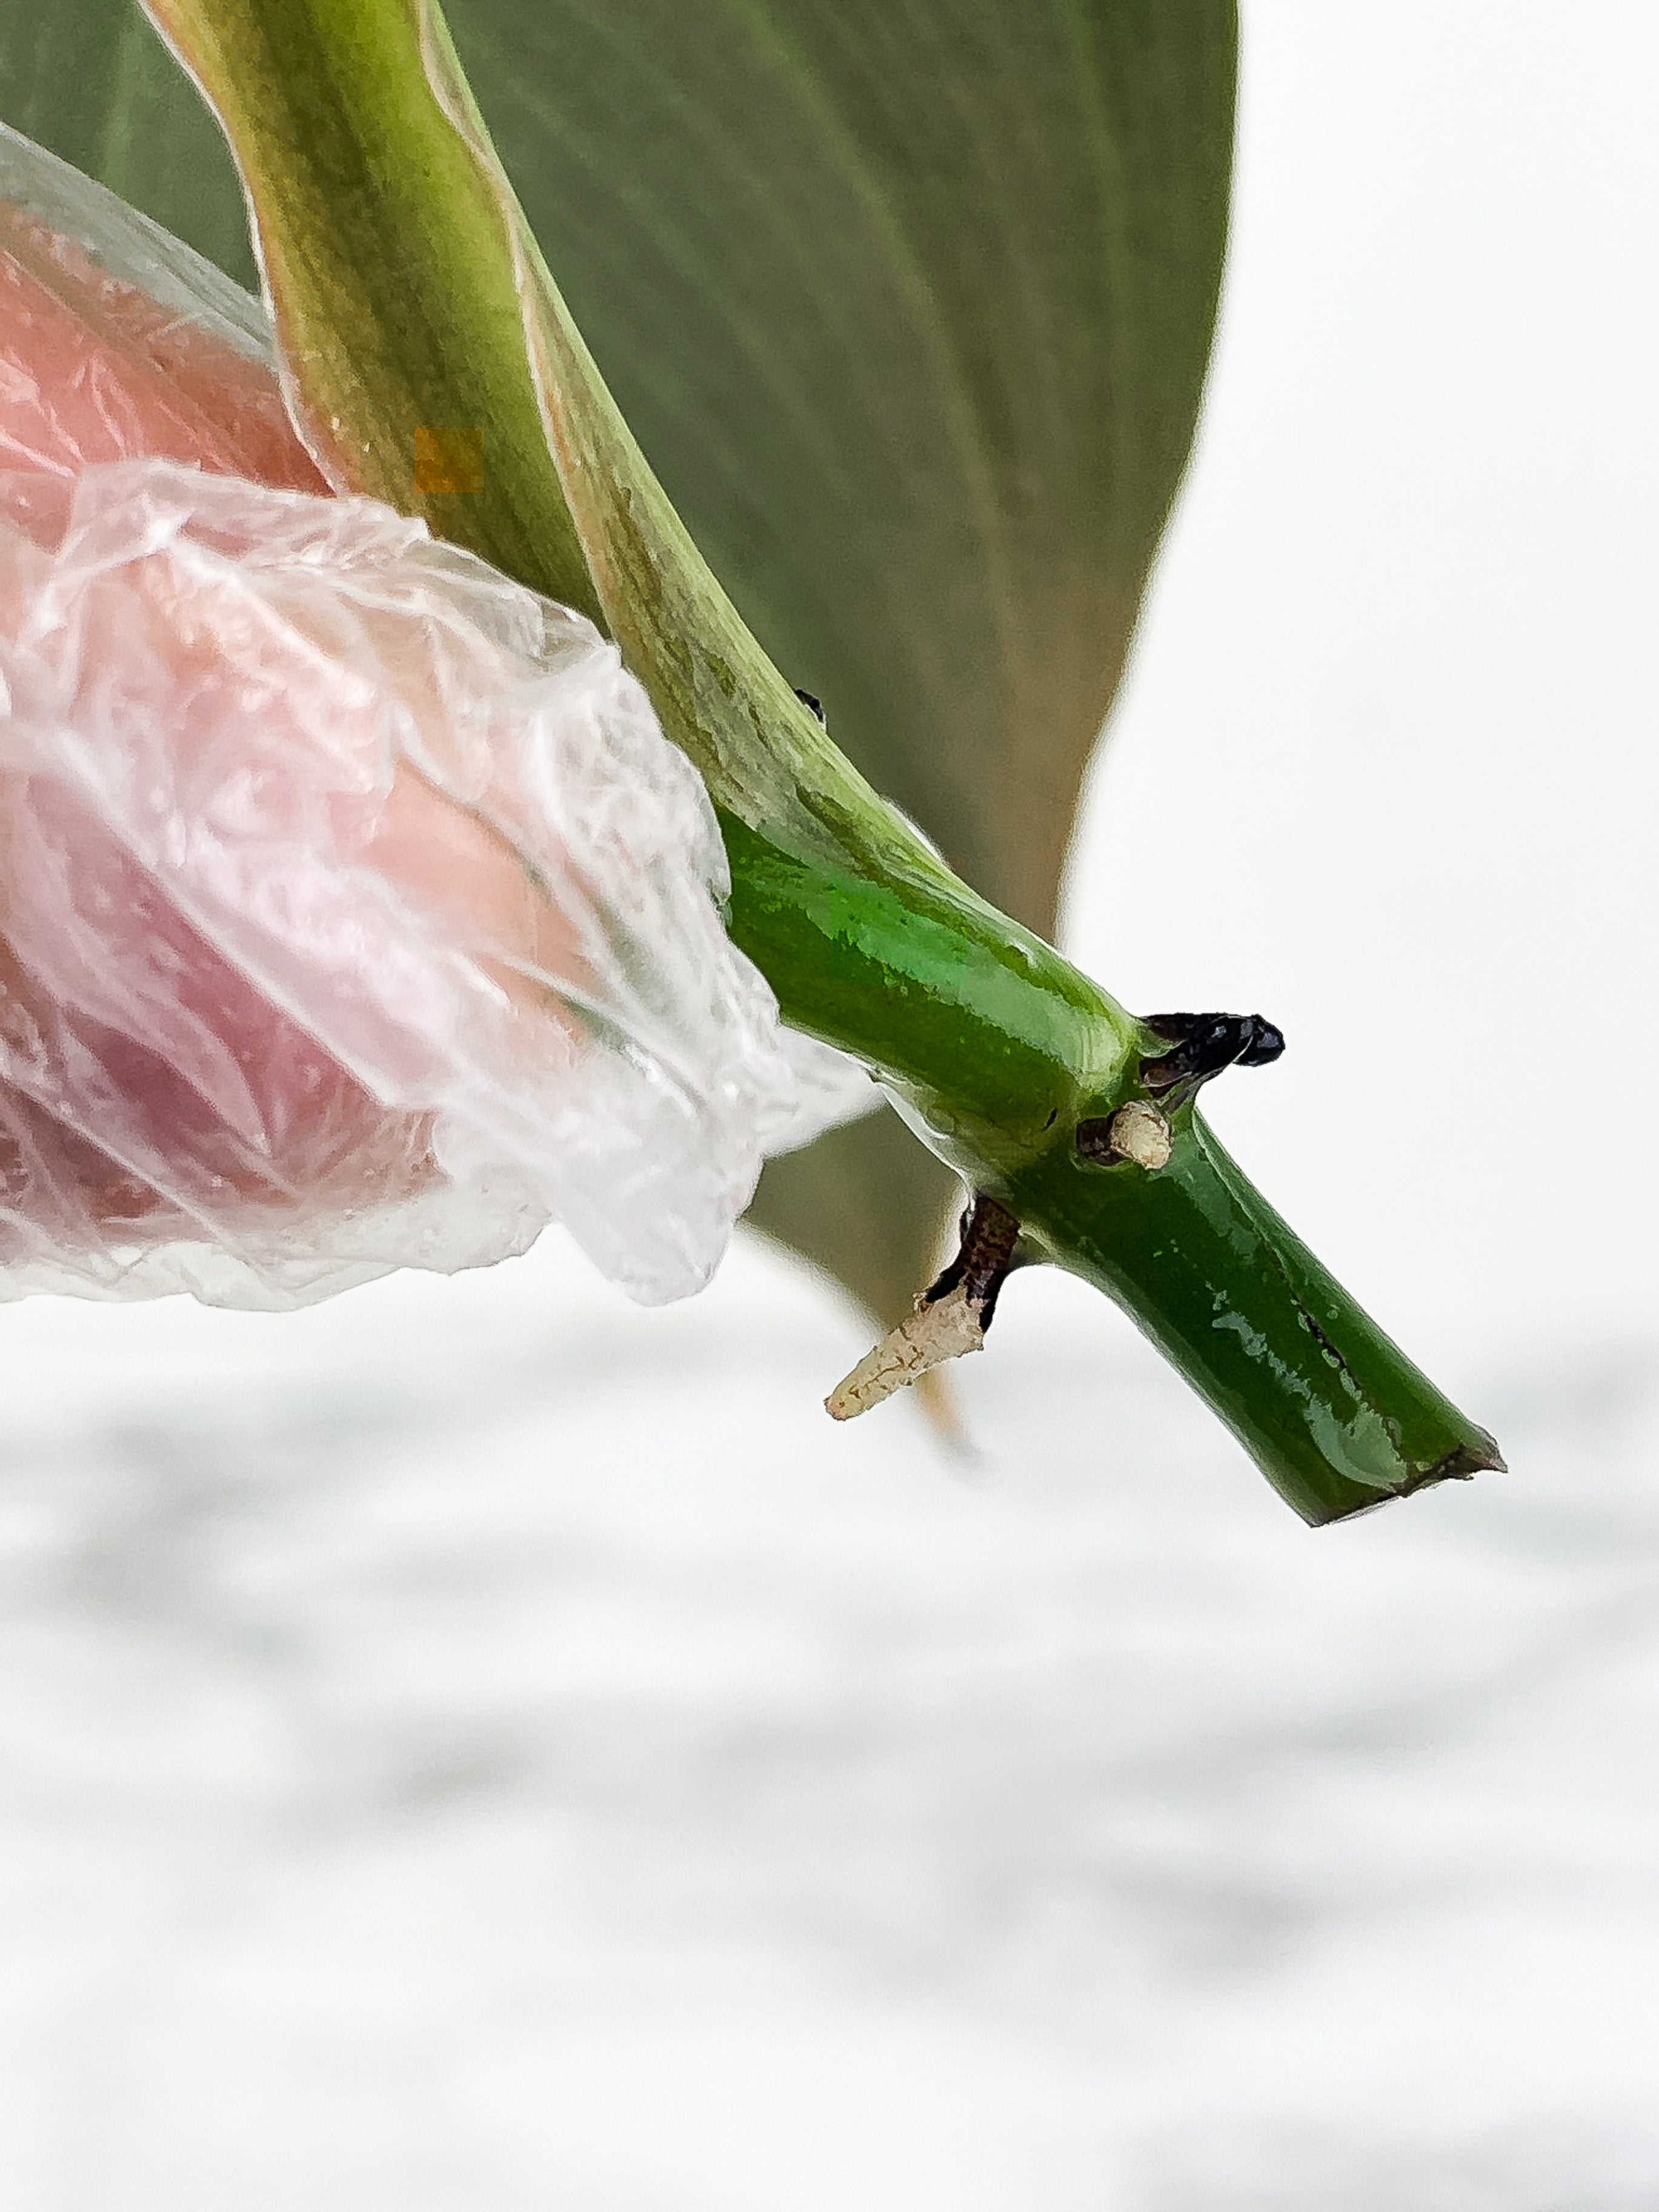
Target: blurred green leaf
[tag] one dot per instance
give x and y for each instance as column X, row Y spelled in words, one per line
column 91, row 80
column 908, row 302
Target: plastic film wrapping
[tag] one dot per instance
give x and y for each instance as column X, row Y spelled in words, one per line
column 355, row 912
column 117, row 340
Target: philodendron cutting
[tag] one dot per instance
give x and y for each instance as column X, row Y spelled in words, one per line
column 431, row 364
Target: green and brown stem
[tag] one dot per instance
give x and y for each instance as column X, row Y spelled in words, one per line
column 415, row 314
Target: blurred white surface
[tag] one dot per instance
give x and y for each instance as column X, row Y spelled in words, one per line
column 468, row 1747
column 479, row 1746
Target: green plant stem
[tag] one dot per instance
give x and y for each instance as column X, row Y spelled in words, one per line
column 1330, row 1409
column 1333, row 1411
column 408, row 295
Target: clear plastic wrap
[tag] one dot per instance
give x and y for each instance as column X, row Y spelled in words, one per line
column 355, row 912
column 117, row 340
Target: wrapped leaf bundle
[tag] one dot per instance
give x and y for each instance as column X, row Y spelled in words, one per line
column 355, row 912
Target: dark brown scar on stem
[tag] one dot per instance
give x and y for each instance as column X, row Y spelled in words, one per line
column 984, row 1260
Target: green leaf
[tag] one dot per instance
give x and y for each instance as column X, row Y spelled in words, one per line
column 908, row 302
column 91, row 81
column 909, row 306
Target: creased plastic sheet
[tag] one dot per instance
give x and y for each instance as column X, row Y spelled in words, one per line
column 116, row 339
column 355, row 912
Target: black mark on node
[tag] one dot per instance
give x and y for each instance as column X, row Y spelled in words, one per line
column 1201, row 1045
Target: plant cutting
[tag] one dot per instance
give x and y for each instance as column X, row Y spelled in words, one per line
column 416, row 322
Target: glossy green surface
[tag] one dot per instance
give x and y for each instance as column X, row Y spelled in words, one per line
column 350, row 114
column 1333, row 1411
column 930, row 987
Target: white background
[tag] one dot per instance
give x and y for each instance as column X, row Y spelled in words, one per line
column 1397, row 706
column 477, row 1746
